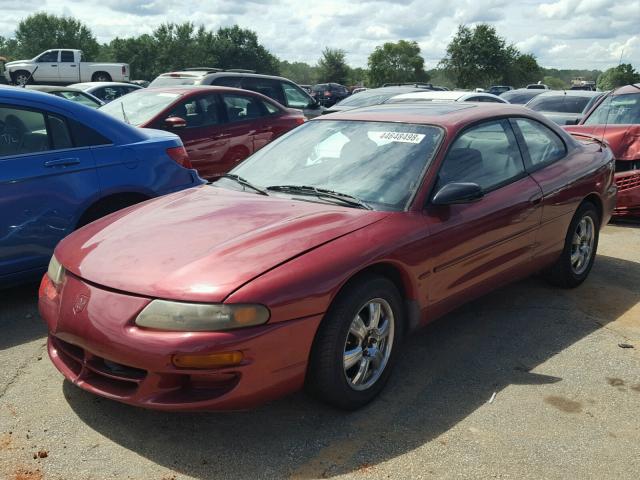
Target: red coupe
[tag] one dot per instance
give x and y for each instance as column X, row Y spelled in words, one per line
column 310, row 262
column 616, row 119
column 218, row 126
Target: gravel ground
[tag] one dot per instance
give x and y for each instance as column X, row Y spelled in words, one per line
column 528, row 382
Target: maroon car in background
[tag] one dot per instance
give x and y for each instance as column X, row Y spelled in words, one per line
column 219, row 126
column 616, row 119
column 309, row 264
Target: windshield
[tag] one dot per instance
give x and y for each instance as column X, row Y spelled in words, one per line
column 140, row 106
column 617, row 110
column 521, row 97
column 79, row 97
column 559, row 103
column 379, row 163
column 169, row 81
column 367, row 98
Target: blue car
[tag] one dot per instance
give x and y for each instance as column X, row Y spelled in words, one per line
column 63, row 165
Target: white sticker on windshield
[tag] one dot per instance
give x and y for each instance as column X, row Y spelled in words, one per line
column 170, row 95
column 400, row 137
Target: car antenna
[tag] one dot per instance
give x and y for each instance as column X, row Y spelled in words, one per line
column 124, row 114
column 29, row 77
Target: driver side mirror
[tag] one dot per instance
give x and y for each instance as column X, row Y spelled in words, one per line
column 175, row 122
column 456, row 193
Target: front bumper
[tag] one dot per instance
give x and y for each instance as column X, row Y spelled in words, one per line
column 628, row 203
column 94, row 342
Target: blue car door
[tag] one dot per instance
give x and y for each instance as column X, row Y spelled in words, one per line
column 45, row 183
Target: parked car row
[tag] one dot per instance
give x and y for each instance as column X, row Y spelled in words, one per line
column 190, row 301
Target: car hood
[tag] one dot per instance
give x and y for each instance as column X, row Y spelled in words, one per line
column 624, row 140
column 18, row 62
column 203, row 243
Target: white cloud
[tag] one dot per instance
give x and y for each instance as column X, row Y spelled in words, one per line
column 561, row 33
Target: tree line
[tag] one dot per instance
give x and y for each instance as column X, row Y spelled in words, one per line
column 476, row 56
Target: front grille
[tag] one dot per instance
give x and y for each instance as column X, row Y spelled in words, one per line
column 627, row 181
column 106, row 375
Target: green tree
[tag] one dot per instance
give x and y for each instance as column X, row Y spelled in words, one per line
column 478, row 56
column 522, row 70
column 42, row 31
column 299, row 72
column 554, row 83
column 396, row 63
column 332, row 66
column 235, row 47
column 138, row 52
column 623, row 74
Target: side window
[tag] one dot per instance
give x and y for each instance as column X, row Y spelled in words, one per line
column 544, row 146
column 190, row 110
column 210, row 107
column 265, row 86
column 101, row 93
column 295, row 97
column 22, row 131
column 59, row 133
column 48, row 57
column 66, row 56
column 234, row 82
column 241, row 107
column 486, row 154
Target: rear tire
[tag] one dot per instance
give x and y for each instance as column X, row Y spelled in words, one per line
column 101, row 77
column 357, row 344
column 580, row 246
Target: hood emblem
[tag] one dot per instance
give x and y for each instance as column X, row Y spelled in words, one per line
column 81, row 303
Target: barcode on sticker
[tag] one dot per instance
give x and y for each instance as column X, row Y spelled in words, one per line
column 401, row 137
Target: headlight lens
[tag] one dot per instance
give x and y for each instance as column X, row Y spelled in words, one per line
column 56, row 271
column 200, row 317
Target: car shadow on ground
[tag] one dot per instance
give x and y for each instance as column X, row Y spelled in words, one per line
column 19, row 319
column 445, row 373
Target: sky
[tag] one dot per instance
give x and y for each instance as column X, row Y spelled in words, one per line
column 561, row 33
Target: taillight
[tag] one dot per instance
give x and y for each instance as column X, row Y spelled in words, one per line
column 180, row 156
column 327, row 93
column 300, row 120
column 124, row 70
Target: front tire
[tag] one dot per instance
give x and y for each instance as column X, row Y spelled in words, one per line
column 22, row 78
column 580, row 246
column 357, row 343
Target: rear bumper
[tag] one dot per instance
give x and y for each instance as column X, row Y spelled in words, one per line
column 94, row 342
column 628, row 203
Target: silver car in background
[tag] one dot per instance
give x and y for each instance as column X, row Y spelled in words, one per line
column 565, row 107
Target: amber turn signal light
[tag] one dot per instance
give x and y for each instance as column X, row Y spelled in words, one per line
column 209, row 360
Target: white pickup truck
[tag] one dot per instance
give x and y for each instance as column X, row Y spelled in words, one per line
column 63, row 66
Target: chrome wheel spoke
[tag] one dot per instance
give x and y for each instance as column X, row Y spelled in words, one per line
column 582, row 245
column 374, row 315
column 352, row 357
column 383, row 330
column 362, row 371
column 358, row 329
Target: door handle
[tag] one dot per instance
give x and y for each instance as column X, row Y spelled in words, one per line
column 266, row 129
column 54, row 65
column 535, row 200
column 62, row 162
column 72, row 65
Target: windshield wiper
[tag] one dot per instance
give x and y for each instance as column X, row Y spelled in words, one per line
column 244, row 182
column 124, row 114
column 321, row 193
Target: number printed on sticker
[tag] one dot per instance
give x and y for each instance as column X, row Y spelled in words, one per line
column 404, row 137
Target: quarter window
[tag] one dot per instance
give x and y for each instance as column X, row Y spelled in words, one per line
column 543, row 145
column 486, row 154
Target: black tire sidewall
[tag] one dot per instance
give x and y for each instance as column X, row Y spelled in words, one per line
column 326, row 374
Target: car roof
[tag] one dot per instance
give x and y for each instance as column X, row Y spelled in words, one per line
column 446, row 114
column 209, row 74
column 85, row 85
column 53, row 88
column 633, row 88
column 455, row 95
column 193, row 89
column 569, row 93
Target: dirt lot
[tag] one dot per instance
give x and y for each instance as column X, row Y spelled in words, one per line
column 566, row 402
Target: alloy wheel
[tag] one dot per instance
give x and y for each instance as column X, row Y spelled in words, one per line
column 582, row 245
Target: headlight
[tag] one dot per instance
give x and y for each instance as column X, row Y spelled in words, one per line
column 56, row 271
column 200, row 317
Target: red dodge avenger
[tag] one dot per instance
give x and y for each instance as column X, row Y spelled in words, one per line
column 310, row 262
